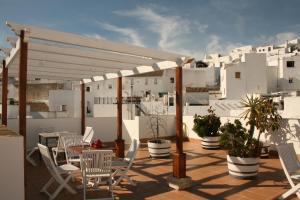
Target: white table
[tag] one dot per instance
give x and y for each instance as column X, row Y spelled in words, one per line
column 52, row 135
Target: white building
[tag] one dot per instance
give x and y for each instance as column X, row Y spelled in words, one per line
column 247, row 76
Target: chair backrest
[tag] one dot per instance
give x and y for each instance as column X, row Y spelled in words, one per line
column 130, row 156
column 48, row 160
column 69, row 141
column 88, row 135
column 96, row 162
column 60, row 143
column 288, row 158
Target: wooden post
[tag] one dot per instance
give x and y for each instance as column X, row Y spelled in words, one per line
column 22, row 94
column 4, row 93
column 83, row 108
column 179, row 158
column 119, row 142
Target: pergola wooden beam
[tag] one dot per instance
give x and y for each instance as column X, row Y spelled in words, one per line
column 22, row 94
column 179, row 158
column 82, row 108
column 4, row 93
column 120, row 143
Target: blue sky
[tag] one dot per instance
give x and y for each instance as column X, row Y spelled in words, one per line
column 192, row 27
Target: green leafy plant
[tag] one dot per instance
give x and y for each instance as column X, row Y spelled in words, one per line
column 207, row 125
column 235, row 139
column 261, row 114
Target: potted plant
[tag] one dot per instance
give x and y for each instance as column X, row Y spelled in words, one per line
column 158, row 148
column 243, row 148
column 207, row 128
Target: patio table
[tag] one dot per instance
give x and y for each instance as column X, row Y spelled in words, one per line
column 52, row 135
column 79, row 149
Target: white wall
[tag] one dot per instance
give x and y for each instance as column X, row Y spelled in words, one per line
column 288, row 133
column 13, row 111
column 290, row 72
column 167, row 129
column 291, row 107
column 110, row 110
column 70, row 98
column 12, row 168
column 253, row 77
column 35, row 126
column 273, row 78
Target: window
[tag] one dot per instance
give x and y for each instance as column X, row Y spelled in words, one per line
column 290, row 80
column 155, row 81
column 131, row 81
column 110, row 86
column 290, row 63
column 88, row 89
column 98, row 87
column 172, row 80
column 237, row 75
column 269, row 48
column 146, row 81
column 96, row 100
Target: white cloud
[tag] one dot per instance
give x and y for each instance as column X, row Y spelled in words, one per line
column 202, row 28
column 95, row 35
column 131, row 35
column 281, row 38
column 169, row 28
column 216, row 45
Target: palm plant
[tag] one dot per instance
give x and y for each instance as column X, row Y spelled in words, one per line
column 262, row 114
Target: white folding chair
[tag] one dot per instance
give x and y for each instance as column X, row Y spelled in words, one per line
column 88, row 135
column 57, row 173
column 96, row 168
column 122, row 166
column 72, row 156
column 291, row 166
column 60, row 148
column 28, row 156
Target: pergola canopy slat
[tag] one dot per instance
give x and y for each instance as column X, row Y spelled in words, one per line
column 73, row 39
column 95, row 54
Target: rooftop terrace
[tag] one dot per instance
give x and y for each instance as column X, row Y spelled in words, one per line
column 208, row 169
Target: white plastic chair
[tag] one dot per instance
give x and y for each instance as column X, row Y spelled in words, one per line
column 122, row 166
column 291, row 165
column 88, row 135
column 57, row 173
column 96, row 166
column 72, row 157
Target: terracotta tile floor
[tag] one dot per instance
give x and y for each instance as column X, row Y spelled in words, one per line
column 207, row 168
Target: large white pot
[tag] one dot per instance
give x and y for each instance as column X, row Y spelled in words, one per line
column 210, row 142
column 243, row 167
column 158, row 150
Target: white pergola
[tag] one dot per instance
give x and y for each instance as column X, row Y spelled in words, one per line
column 49, row 54
column 66, row 56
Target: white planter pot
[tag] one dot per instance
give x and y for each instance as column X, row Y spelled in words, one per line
column 158, row 150
column 243, row 167
column 210, row 142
